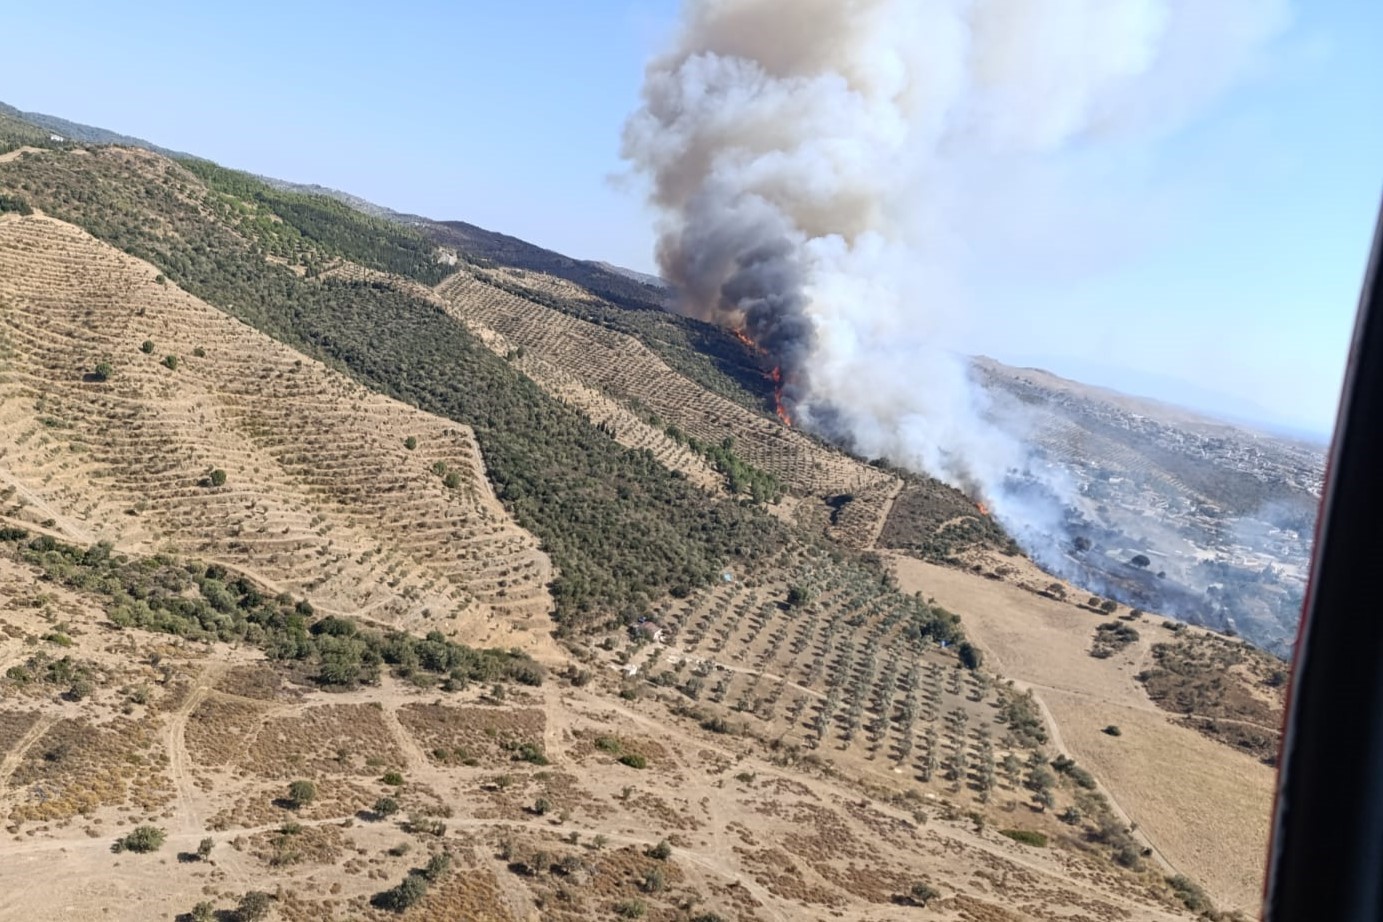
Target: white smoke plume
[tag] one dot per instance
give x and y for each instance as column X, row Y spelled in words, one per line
column 817, row 164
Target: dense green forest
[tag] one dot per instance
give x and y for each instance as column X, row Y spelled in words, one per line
column 298, row 227
column 740, row 475
column 622, row 528
column 15, row 132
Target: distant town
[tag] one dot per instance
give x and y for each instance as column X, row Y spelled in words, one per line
column 1171, row 511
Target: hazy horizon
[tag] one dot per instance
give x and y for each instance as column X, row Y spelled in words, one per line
column 1225, row 256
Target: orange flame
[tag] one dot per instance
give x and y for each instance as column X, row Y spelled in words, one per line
column 776, row 376
column 984, row 510
column 742, row 337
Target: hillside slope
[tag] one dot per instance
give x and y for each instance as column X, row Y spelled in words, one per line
column 598, row 508
column 810, row 741
column 321, row 495
column 564, row 802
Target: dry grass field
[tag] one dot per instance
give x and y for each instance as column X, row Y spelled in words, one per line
column 1203, row 805
column 322, row 494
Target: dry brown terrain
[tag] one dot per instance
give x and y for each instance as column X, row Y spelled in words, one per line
column 807, row 750
column 220, row 733
column 1204, row 806
column 322, row 496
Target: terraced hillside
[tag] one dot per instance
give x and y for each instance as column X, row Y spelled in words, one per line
column 625, row 369
column 805, row 736
column 265, row 257
column 359, row 502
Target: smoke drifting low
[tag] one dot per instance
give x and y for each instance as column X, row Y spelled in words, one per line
column 817, row 165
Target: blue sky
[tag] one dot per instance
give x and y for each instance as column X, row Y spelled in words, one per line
column 1236, row 294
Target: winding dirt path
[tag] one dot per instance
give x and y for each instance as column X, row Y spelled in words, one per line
column 1054, row 731
column 175, row 741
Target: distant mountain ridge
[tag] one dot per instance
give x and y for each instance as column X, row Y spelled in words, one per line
column 87, row 134
column 623, row 286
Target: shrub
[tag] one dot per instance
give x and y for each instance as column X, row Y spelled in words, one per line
column 170, row 362
column 630, row 909
column 1082, row 777
column 426, row 826
column 1190, row 894
column 922, row 893
column 199, row 352
column 970, row 656
column 716, row 725
column 102, row 371
column 301, row 793
column 532, row 753
column 1025, row 836
column 392, row 778
column 147, row 347
column 81, row 688
column 437, row 867
column 634, row 760
column 253, row 906
column 408, row 893
column 662, row 851
column 14, row 204
column 386, row 806
column 1127, row 855
column 204, row 911
column 410, row 443
column 141, row 840
column 217, row 478
column 1113, row 730
column 204, row 848
column 542, row 806
column 653, row 881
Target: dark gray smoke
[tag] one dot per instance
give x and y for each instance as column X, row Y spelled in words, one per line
column 816, row 165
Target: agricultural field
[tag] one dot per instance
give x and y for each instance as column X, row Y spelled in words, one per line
column 627, row 370
column 497, row 800
column 1041, row 639
column 596, row 505
column 123, row 397
column 338, row 580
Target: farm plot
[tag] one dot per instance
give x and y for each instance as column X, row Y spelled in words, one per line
column 825, row 657
column 136, row 413
column 628, row 371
